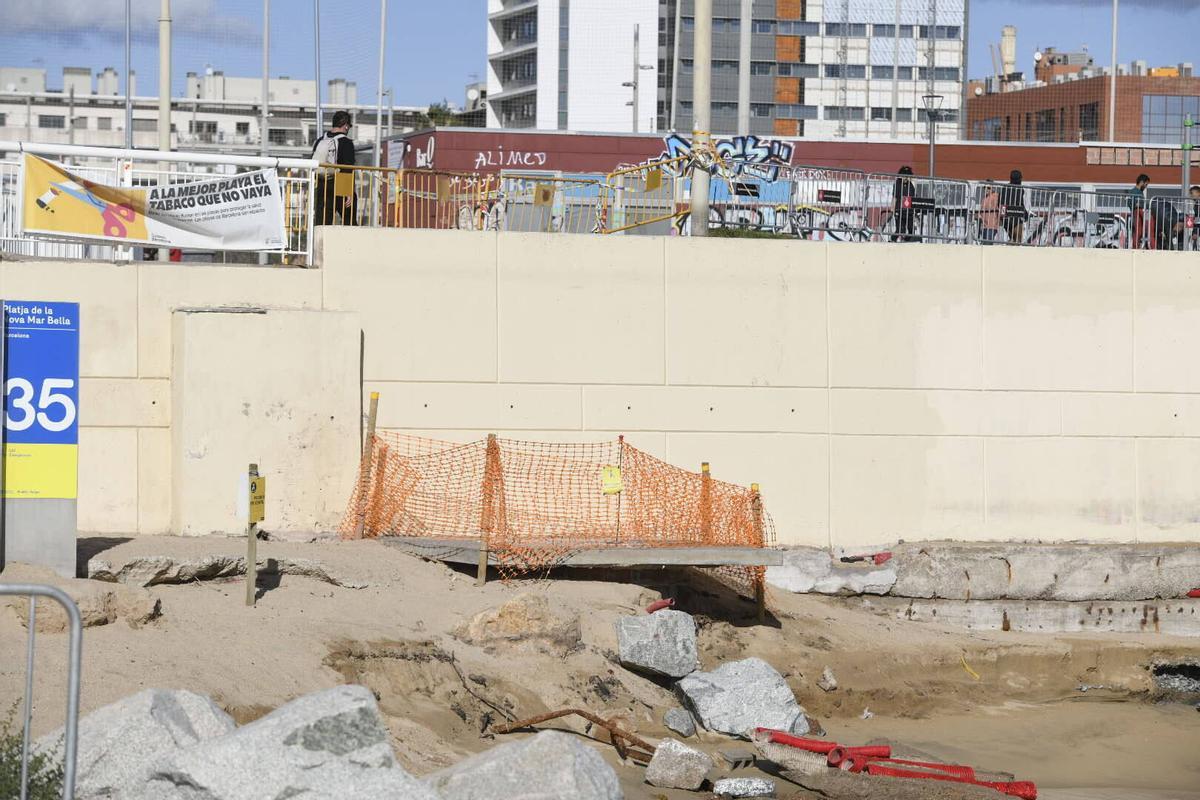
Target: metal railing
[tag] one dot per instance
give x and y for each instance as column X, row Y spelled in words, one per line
column 74, row 665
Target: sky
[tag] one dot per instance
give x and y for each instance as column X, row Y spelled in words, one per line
column 435, row 47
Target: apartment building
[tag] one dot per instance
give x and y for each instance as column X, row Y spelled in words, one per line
column 809, row 68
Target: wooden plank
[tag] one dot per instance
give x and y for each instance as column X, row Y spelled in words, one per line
column 467, row 551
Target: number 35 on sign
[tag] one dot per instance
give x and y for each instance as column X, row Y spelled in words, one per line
column 41, row 399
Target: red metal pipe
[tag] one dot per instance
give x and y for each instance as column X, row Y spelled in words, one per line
column 659, row 605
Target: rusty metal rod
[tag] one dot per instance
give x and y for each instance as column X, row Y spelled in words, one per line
column 589, row 716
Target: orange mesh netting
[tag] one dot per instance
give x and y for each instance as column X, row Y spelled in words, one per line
column 532, row 503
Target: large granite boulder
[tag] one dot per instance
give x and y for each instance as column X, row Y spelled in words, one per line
column 677, row 766
column 662, row 643
column 737, row 697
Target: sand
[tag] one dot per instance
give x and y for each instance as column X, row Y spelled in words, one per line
column 1024, row 714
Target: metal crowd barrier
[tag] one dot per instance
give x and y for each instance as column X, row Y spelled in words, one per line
column 1173, row 223
column 643, row 199
column 912, row 208
column 74, row 665
column 547, row 203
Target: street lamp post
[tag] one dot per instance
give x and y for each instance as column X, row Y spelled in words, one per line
column 637, row 67
column 933, row 106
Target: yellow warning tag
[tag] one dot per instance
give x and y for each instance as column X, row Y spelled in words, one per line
column 654, row 179
column 543, row 195
column 610, row 479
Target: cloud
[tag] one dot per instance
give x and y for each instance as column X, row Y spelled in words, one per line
column 76, row 20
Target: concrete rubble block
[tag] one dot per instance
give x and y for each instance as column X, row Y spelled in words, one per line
column 740, row 696
column 677, row 766
column 119, row 742
column 744, row 787
column 526, row 620
column 329, row 744
column 99, row 604
column 680, row 720
column 810, row 570
column 662, row 643
column 828, row 682
column 154, row 570
column 549, row 766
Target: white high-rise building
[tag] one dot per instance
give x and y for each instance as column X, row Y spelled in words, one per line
column 822, row 69
column 558, row 64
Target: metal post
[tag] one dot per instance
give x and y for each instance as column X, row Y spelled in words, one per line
column 701, row 112
column 1188, row 124
column 27, row 713
column 1112, row 80
column 675, row 67
column 896, row 73
column 128, row 90
column 251, row 545
column 317, row 63
column 263, row 124
column 636, row 63
column 164, row 98
column 71, row 116
column 379, row 88
column 391, row 109
column 744, row 47
column 929, row 112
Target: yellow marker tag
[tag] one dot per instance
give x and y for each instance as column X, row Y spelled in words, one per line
column 258, row 498
column 610, row 479
column 443, row 188
column 543, row 195
column 654, row 179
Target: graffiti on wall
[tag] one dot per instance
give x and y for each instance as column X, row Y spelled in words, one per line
column 511, row 158
column 749, row 155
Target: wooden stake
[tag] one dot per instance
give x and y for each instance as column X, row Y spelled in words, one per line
column 368, row 449
column 705, row 504
column 756, row 516
column 493, row 488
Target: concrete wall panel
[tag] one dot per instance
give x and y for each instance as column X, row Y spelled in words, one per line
column 1055, row 322
column 905, row 317
column 739, row 321
column 108, row 480
column 1104, row 414
column 124, row 402
column 107, row 296
column 1061, row 488
column 154, row 480
column 1167, row 328
column 482, row 406
column 1168, row 474
column 688, row 408
column 581, row 309
column 427, row 300
column 945, row 412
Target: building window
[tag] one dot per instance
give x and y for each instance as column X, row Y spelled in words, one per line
column 243, row 129
column 904, row 115
column 79, row 123
column 799, row 70
column 762, row 68
column 797, row 28
column 881, row 114
column 884, row 31
column 845, row 71
column 724, row 65
column 725, row 108
column 760, row 109
column 906, row 73
column 3, row 120
column 790, row 111
column 51, row 121
column 988, row 130
column 1089, row 122
column 763, row 26
column 201, row 126
column 685, row 66
column 940, row 31
column 848, row 113
column 939, row 73
column 1163, row 115
column 726, row 25
column 882, row 73
column 104, row 123
column 688, row 23
column 845, row 29
column 906, row 31
column 152, row 125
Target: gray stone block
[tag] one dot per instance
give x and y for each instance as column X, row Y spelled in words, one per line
column 662, row 643
column 549, row 766
column 677, row 766
column 326, row 745
column 742, row 695
column 810, row 570
column 119, row 742
column 680, row 720
column 744, row 787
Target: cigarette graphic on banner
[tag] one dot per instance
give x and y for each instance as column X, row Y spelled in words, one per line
column 229, row 212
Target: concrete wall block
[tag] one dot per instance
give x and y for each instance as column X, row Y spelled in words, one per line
column 685, row 408
column 905, row 317
column 1058, row 323
column 163, row 288
column 945, row 412
column 581, row 309
column 124, row 402
column 426, row 298
column 154, row 480
column 1167, row 327
column 295, row 413
column 1168, row 474
column 735, row 320
column 791, row 470
column 485, row 406
column 1061, row 488
column 108, row 306
column 108, row 480
column 1105, row 414
column 885, row 488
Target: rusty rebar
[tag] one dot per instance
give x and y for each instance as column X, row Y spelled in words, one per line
column 615, row 731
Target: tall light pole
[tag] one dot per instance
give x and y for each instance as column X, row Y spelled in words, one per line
column 1112, row 80
column 933, row 105
column 701, row 114
column 128, row 89
column 164, row 97
column 264, row 133
column 635, row 84
column 379, row 87
column 317, row 62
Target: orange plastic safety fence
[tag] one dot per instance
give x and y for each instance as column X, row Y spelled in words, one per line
column 532, row 503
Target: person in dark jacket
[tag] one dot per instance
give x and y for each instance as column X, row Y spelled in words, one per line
column 334, row 147
column 1139, row 207
column 902, row 207
column 1012, row 200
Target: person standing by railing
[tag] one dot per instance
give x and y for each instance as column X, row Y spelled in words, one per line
column 334, row 147
column 989, row 214
column 1138, row 209
column 1012, row 198
column 902, row 206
